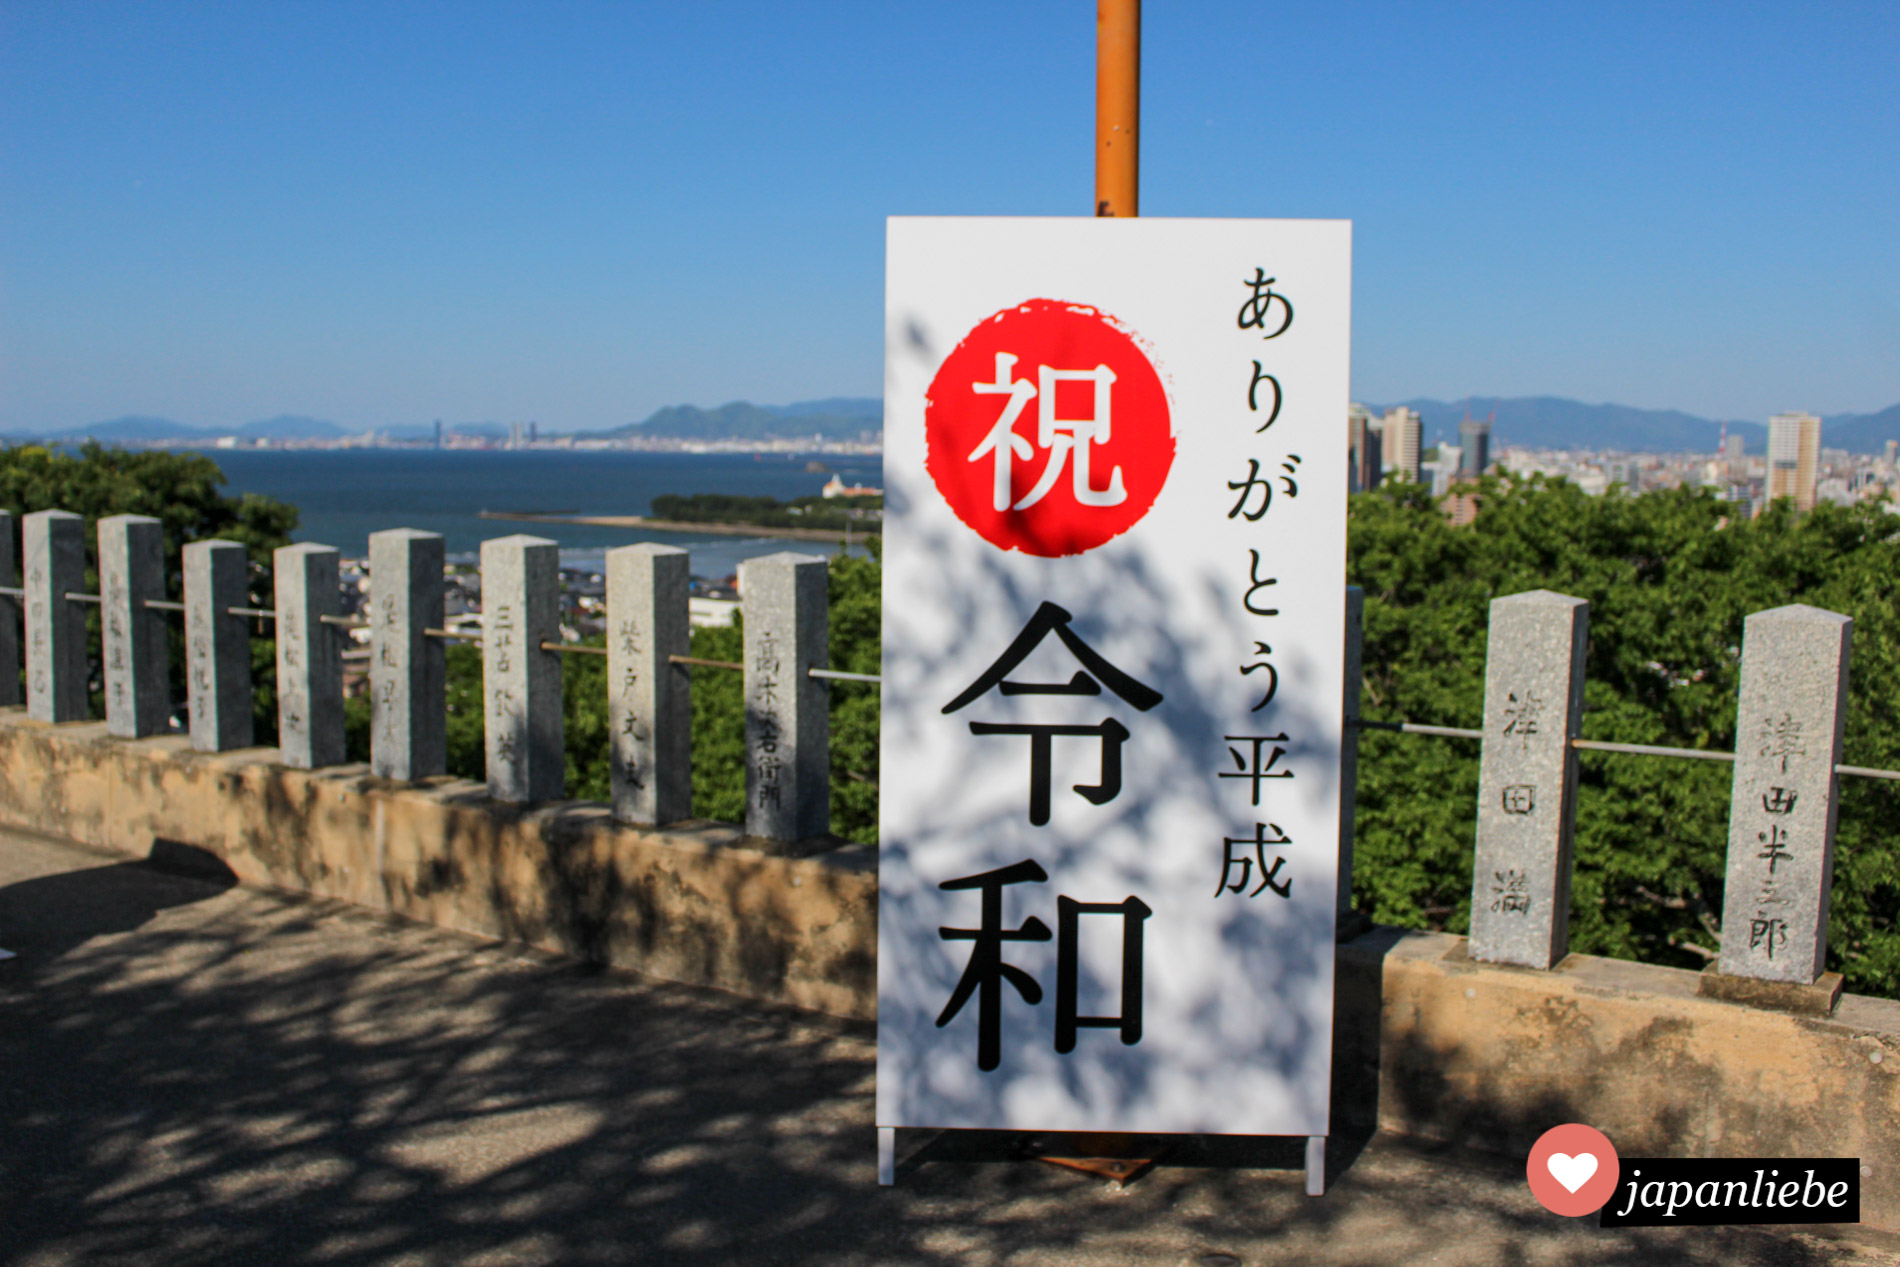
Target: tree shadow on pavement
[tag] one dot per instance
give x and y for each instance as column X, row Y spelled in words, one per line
column 234, row 1077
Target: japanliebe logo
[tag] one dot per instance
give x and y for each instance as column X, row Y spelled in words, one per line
column 1037, row 392
column 1574, row 1170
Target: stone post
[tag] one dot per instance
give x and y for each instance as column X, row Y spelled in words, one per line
column 521, row 683
column 787, row 720
column 10, row 694
column 55, row 626
column 1349, row 739
column 309, row 656
column 1527, row 779
column 649, row 699
column 408, row 672
column 218, row 645
column 134, row 641
column 1788, row 725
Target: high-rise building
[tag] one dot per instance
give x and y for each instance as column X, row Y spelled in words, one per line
column 1474, row 446
column 1794, row 458
column 1443, row 470
column 1734, row 449
column 1893, row 452
column 1363, row 469
column 1398, row 442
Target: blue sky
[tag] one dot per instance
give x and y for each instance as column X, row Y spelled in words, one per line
column 576, row 213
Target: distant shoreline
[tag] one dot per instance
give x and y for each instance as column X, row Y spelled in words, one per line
column 680, row 525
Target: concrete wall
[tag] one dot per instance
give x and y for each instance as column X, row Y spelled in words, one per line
column 1487, row 1056
column 695, row 902
column 1429, row 1043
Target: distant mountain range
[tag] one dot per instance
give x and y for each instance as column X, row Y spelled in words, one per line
column 148, row 430
column 839, row 418
column 1551, row 422
column 1532, row 421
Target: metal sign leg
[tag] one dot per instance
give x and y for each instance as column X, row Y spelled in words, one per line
column 887, row 1155
column 1315, row 1165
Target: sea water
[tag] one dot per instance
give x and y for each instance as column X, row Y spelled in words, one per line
column 343, row 495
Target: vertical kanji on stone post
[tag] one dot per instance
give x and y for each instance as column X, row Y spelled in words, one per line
column 649, row 698
column 521, row 682
column 135, row 642
column 217, row 645
column 1527, row 779
column 1788, row 726
column 55, row 559
column 408, row 670
column 1349, row 739
column 787, row 717
column 309, row 656
column 10, row 694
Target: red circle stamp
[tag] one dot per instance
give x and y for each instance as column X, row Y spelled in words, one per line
column 1048, row 429
column 1572, row 1169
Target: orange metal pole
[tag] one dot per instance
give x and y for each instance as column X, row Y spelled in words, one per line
column 1117, row 106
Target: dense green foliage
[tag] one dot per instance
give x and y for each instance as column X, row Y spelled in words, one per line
column 181, row 491
column 769, row 512
column 1670, row 577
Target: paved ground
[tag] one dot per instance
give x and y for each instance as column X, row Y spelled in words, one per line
column 194, row 1073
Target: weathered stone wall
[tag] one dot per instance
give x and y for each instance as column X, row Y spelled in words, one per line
column 694, row 902
column 1490, row 1056
column 1429, row 1042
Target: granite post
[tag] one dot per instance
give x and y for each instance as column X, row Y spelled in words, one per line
column 55, row 626
column 408, row 670
column 1349, row 739
column 217, row 645
column 1527, row 779
column 649, row 698
column 135, row 642
column 1788, row 727
column 521, row 683
column 10, row 607
column 787, row 716
column 309, row 656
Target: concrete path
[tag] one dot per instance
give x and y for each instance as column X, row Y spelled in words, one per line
column 196, row 1073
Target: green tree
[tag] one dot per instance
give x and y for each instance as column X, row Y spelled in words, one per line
column 1670, row 577
column 181, row 490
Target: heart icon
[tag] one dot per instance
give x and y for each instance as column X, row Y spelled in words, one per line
column 1572, row 1172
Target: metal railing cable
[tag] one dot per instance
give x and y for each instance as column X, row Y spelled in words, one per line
column 1599, row 745
column 840, row 675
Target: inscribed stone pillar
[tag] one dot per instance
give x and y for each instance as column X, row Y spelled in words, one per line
column 55, row 626
column 1788, row 726
column 521, row 683
column 1527, row 779
column 134, row 641
column 787, row 718
column 10, row 693
column 1349, row 740
column 217, row 645
column 408, row 671
column 649, row 699
column 309, row 656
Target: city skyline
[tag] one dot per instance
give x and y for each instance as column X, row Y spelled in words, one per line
column 372, row 213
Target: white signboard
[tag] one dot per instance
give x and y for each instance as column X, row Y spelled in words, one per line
column 1114, row 570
